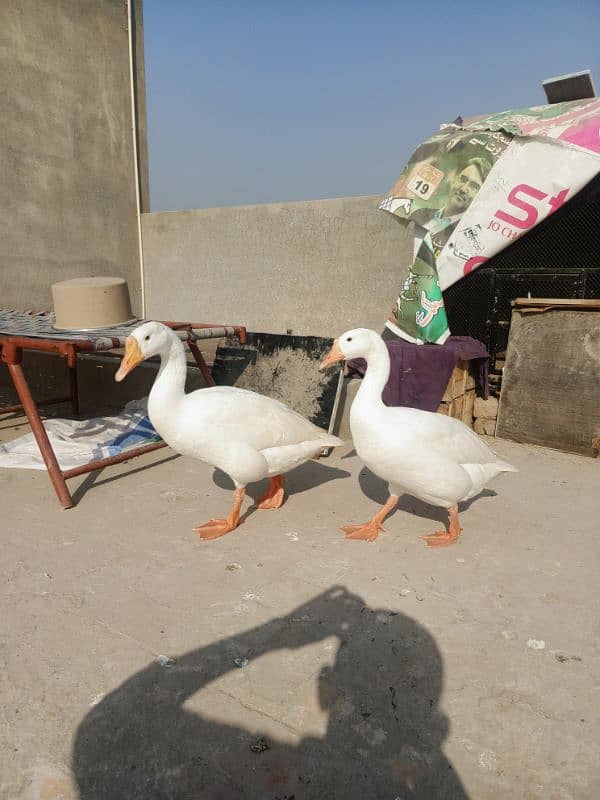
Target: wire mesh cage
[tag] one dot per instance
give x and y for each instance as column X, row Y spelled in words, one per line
column 558, row 258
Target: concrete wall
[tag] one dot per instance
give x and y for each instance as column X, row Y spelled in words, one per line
column 317, row 267
column 68, row 204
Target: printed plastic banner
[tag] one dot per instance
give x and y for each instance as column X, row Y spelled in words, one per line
column 471, row 190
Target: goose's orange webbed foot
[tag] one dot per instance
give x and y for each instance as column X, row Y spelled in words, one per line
column 215, row 528
column 445, row 538
column 219, row 527
column 274, row 496
column 369, row 531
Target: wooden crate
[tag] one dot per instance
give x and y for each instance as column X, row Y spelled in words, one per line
column 552, row 374
column 459, row 397
column 461, row 381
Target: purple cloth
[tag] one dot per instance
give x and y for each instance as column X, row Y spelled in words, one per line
column 420, row 373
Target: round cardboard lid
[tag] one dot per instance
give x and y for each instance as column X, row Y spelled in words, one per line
column 91, row 303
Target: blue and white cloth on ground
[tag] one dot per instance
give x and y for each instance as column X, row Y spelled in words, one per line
column 76, row 442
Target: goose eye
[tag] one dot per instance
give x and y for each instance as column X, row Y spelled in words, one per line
column 146, row 338
column 349, row 339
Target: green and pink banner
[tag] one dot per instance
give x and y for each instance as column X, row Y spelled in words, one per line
column 470, row 190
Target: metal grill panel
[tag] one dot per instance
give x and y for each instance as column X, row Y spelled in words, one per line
column 592, row 284
column 467, row 305
column 558, row 258
column 536, row 284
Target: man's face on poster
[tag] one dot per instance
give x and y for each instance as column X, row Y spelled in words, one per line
column 464, row 187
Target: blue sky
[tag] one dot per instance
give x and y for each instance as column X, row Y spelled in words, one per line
column 260, row 102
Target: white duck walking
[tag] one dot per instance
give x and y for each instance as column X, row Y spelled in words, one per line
column 435, row 458
column 245, row 434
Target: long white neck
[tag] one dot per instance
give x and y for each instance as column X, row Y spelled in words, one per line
column 376, row 376
column 169, row 385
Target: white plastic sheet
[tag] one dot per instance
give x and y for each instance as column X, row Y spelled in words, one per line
column 77, row 442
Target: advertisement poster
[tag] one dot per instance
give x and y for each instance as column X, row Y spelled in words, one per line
column 472, row 190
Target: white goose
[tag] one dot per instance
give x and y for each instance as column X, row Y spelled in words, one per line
column 245, row 434
column 435, row 458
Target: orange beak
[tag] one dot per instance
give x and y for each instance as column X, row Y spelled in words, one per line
column 334, row 355
column 132, row 357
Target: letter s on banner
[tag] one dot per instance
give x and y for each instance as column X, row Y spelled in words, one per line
column 531, row 213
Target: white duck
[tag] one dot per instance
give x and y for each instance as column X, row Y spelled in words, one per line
column 245, row 434
column 435, row 458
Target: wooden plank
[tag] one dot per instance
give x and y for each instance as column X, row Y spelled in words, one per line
column 468, row 404
column 460, row 407
column 459, row 382
column 551, row 380
column 555, row 302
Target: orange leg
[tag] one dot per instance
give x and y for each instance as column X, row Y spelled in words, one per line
column 275, row 494
column 369, row 530
column 445, row 538
column 219, row 527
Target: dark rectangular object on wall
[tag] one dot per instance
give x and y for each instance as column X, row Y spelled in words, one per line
column 283, row 367
column 551, row 379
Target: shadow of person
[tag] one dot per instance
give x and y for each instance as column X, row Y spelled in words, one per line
column 384, row 731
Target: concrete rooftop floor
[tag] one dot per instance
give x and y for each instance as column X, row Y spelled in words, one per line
column 382, row 670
